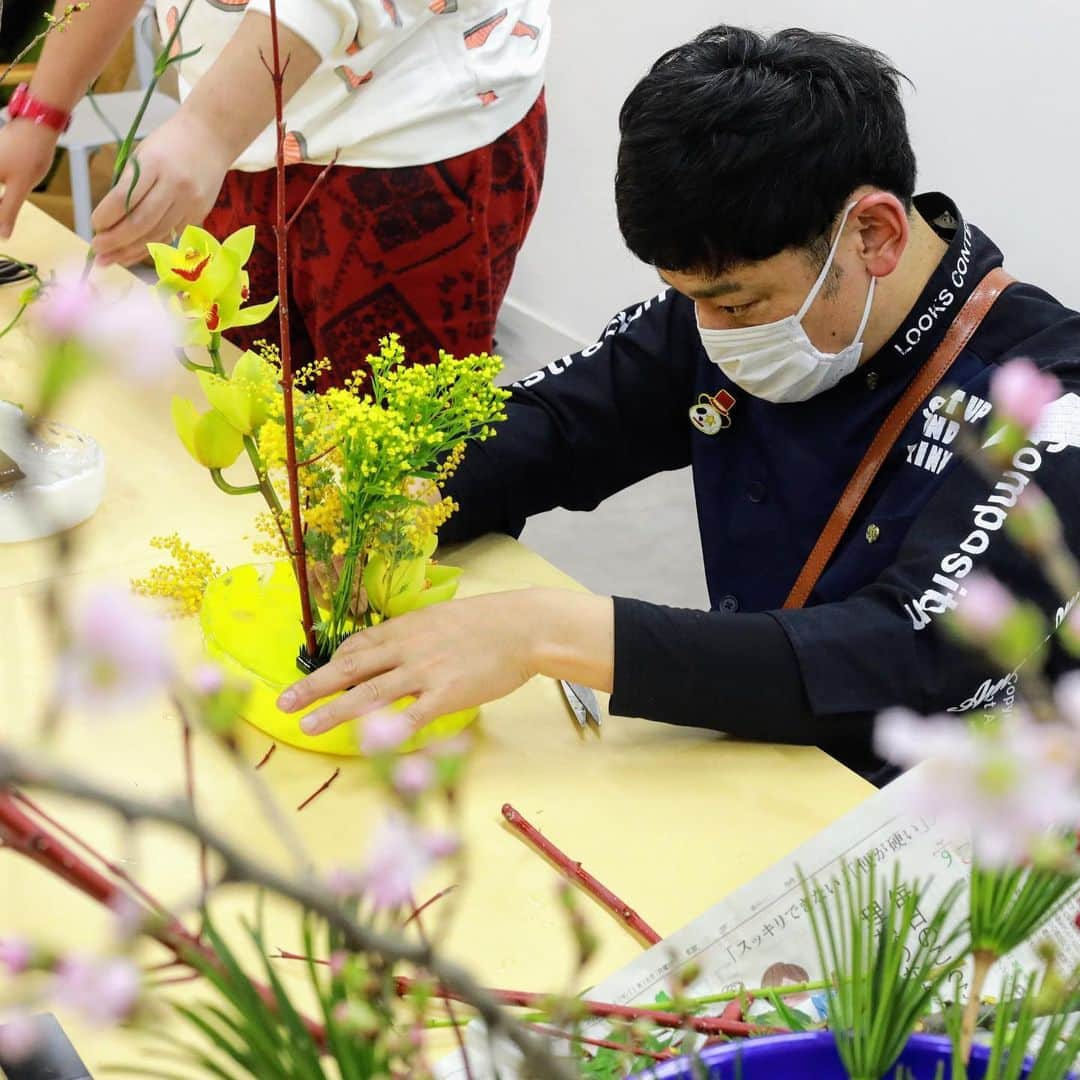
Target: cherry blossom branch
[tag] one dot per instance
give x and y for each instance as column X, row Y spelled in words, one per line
column 459, row 1037
column 189, row 787
column 19, row 769
column 575, row 872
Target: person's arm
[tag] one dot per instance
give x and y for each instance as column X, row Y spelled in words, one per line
column 823, row 672
column 183, row 163
column 69, row 63
column 585, row 426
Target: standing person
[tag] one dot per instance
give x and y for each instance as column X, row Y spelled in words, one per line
column 433, row 108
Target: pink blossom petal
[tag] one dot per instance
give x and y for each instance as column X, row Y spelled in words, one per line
column 985, row 606
column 401, row 853
column 1021, row 391
column 16, row 953
column 1067, row 696
column 413, row 775
column 207, row 679
column 344, row 883
column 103, row 992
column 384, row 731
column 118, row 654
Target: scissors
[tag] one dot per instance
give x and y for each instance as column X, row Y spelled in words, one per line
column 12, row 272
column 583, row 704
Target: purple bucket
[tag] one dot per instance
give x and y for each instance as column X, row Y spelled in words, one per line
column 812, row 1054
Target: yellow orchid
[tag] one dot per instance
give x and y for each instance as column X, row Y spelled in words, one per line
column 210, row 439
column 246, row 398
column 209, row 281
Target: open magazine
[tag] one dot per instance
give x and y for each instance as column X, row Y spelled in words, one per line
column 761, row 935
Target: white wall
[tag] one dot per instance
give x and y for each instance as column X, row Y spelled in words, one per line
column 995, row 121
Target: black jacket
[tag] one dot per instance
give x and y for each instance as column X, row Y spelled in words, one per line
column 591, row 424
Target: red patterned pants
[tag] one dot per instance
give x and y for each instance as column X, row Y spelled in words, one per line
column 426, row 251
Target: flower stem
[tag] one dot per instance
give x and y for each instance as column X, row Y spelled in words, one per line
column 983, row 960
column 232, row 489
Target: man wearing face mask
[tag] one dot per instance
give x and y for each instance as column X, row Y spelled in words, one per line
column 822, row 338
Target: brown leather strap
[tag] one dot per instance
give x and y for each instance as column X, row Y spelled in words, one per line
column 930, row 374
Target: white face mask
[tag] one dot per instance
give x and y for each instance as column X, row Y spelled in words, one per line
column 777, row 361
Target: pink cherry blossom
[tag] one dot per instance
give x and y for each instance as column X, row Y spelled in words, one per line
column 1021, row 391
column 338, row 959
column 136, row 334
column 129, row 916
column 384, row 731
column 414, row 774
column 118, row 654
column 65, row 306
column 133, row 331
column 15, row 954
column 985, row 605
column 1067, row 697
column 1008, row 783
column 401, row 853
column 103, row 992
column 18, row 1037
column 207, row 679
column 344, row 883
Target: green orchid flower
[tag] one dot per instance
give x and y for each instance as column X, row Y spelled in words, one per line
column 394, row 588
column 245, row 397
column 210, row 439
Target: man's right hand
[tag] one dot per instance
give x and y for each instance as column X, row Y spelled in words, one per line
column 26, row 155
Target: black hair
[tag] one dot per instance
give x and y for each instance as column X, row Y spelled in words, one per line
column 737, row 146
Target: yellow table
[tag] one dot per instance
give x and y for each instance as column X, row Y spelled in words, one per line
column 672, row 819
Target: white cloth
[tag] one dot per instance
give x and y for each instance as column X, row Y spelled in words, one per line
column 402, row 82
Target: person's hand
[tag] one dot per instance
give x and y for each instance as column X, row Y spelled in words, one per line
column 182, row 167
column 449, row 656
column 26, row 155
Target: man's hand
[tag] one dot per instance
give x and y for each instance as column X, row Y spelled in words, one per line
column 182, row 167
column 26, row 155
column 461, row 654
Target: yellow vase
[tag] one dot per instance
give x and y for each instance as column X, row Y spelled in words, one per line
column 250, row 622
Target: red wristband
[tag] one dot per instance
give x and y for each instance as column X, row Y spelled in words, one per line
column 23, row 104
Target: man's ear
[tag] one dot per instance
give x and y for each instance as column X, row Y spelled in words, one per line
column 884, row 231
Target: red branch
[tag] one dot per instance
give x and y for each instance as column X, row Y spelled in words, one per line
column 311, row 190
column 320, row 789
column 527, row 999
column 267, row 756
column 113, row 868
column 604, row 1044
column 427, row 903
column 575, row 872
column 281, row 232
column 23, row 835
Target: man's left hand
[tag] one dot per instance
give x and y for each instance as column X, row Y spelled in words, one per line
column 460, row 654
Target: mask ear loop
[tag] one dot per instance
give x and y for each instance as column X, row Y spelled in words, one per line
column 816, row 287
column 866, row 310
